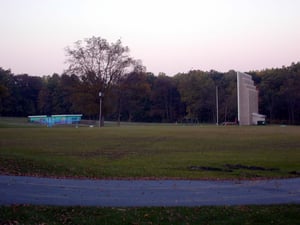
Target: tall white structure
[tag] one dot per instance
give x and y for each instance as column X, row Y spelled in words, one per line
column 247, row 101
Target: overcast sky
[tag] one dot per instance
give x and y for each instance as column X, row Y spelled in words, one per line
column 169, row 36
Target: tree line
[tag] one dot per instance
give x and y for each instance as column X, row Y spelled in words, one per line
column 141, row 96
column 129, row 93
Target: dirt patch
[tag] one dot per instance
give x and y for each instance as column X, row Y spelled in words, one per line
column 208, row 168
column 295, row 173
column 231, row 167
column 88, row 154
column 239, row 166
column 111, row 155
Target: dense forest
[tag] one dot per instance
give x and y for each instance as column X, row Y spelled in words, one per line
column 142, row 96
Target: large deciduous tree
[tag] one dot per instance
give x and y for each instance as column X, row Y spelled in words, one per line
column 6, row 96
column 134, row 96
column 165, row 99
column 100, row 64
column 197, row 91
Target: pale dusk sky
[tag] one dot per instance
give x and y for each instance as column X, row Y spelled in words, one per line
column 169, row 36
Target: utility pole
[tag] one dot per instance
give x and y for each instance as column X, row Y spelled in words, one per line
column 217, row 104
column 100, row 109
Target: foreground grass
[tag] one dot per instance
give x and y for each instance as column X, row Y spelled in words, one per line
column 186, row 152
column 277, row 214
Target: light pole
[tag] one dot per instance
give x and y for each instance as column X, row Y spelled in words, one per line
column 100, row 109
column 217, row 104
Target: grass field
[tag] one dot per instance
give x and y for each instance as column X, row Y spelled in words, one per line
column 277, row 214
column 149, row 151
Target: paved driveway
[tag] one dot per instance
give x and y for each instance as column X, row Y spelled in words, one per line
column 71, row 192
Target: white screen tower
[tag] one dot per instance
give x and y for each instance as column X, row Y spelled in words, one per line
column 247, row 101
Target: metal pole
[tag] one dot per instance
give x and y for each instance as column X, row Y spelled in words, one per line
column 217, row 104
column 100, row 109
column 101, row 112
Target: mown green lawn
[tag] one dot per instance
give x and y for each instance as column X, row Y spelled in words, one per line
column 152, row 151
column 149, row 151
column 254, row 215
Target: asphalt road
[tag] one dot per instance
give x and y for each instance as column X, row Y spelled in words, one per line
column 123, row 193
